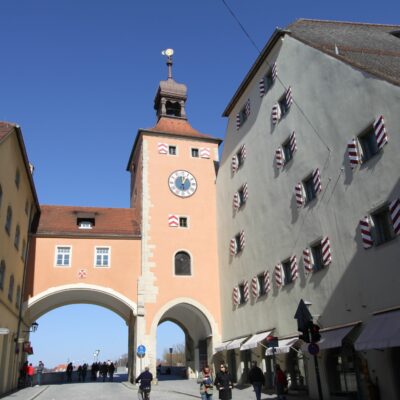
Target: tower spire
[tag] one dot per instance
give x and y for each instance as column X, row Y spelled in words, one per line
column 169, row 53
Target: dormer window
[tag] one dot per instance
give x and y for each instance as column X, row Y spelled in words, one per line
column 85, row 220
column 85, row 224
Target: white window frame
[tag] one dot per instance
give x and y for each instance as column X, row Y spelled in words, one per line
column 176, row 150
column 85, row 225
column 95, row 257
column 56, row 256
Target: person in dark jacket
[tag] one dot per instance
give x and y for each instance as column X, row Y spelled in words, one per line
column 223, row 383
column 104, row 370
column 256, row 378
column 281, row 382
column 145, row 379
column 111, row 369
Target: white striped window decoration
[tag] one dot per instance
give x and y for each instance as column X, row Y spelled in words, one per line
column 243, row 114
column 235, row 163
column 267, row 282
column 237, row 121
column 254, row 287
column 233, row 246
column 279, row 158
column 380, row 131
column 300, row 195
column 308, row 267
column 353, row 153
column 285, row 153
column 394, row 209
column 173, row 220
column 236, row 201
column 278, row 275
column 162, row 148
column 243, row 154
column 293, row 142
column 289, row 98
column 238, row 159
column 366, row 232
column 261, row 86
column 204, row 152
column 326, row 251
column 246, row 291
column 293, row 268
column 276, row 113
column 235, row 296
column 242, row 240
column 267, row 81
column 317, row 180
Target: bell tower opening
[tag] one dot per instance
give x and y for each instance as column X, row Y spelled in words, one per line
column 173, row 109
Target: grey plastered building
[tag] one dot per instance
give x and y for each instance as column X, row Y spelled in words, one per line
column 317, row 211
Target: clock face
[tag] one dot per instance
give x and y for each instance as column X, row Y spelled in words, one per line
column 182, row 183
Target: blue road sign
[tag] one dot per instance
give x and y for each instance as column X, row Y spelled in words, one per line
column 313, row 349
column 141, row 350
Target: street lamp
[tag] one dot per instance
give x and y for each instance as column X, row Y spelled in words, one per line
column 33, row 328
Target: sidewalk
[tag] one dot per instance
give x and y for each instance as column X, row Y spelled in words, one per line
column 29, row 393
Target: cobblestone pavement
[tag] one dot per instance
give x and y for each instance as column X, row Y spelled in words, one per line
column 171, row 390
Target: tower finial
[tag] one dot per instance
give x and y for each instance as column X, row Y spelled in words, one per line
column 169, row 53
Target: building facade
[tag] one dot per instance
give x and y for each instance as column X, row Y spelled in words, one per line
column 310, row 166
column 18, row 208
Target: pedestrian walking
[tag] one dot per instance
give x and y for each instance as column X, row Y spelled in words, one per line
column 80, row 373
column 84, row 371
column 257, row 379
column 281, row 382
column 223, row 383
column 104, row 370
column 69, row 370
column 206, row 383
column 145, row 379
column 30, row 373
column 111, row 369
column 39, row 372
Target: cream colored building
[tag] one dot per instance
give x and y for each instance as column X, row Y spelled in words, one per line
column 18, row 208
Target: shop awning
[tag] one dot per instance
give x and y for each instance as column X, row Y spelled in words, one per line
column 252, row 343
column 235, row 344
column 381, row 331
column 284, row 346
column 333, row 338
column 222, row 346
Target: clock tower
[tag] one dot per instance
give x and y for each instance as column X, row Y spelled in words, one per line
column 173, row 171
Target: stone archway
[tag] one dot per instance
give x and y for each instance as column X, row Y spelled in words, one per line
column 59, row 296
column 198, row 325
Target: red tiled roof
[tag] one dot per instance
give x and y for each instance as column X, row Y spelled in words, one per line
column 62, row 220
column 179, row 127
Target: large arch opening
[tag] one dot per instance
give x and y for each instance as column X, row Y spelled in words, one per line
column 198, row 328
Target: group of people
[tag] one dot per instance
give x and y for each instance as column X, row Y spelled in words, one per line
column 97, row 369
column 27, row 373
column 224, row 384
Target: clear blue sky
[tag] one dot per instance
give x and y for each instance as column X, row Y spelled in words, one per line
column 80, row 78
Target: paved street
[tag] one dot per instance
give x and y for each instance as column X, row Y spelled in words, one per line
column 172, row 389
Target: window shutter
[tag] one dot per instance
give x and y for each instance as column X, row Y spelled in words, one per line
column 380, row 131
column 276, row 113
column 245, row 192
column 261, row 86
column 243, row 152
column 235, row 296
column 246, row 291
column 288, row 97
column 317, row 180
column 279, row 158
column 235, row 163
column 254, row 287
column 353, row 153
column 233, row 246
column 205, row 152
column 173, row 220
column 294, row 272
column 326, row 251
column 394, row 208
column 242, row 240
column 236, row 201
column 162, row 148
column 237, row 121
column 307, row 260
column 267, row 283
column 293, row 142
column 278, row 275
column 274, row 71
column 247, row 107
column 299, row 193
column 366, row 236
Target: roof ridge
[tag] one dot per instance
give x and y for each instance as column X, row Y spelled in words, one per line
column 98, row 207
column 343, row 22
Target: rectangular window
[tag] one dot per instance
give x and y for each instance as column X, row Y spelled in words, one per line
column 383, row 227
column 102, row 256
column 238, row 243
column 283, row 105
column 195, row 153
column 183, row 222
column 63, row 256
column 317, row 260
column 287, row 270
column 287, row 151
column 17, row 297
column 309, row 189
column 242, row 297
column 172, row 150
column 368, row 143
column 268, row 81
column 241, row 196
column 261, row 285
column 17, row 178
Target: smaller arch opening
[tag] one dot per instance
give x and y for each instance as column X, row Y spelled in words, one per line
column 183, row 263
